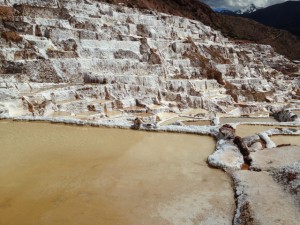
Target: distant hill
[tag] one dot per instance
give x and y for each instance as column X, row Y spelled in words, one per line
column 248, row 9
column 282, row 16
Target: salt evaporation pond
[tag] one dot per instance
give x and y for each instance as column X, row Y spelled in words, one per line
column 286, row 140
column 224, row 120
column 197, row 123
column 173, row 120
column 60, row 174
column 244, row 130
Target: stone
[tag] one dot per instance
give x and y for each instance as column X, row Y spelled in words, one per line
column 137, row 123
column 285, row 115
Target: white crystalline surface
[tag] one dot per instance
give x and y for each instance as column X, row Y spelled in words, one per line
column 92, row 61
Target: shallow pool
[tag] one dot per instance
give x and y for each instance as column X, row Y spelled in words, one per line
column 60, row 174
column 248, row 130
column 286, row 139
column 224, row 120
column 197, row 123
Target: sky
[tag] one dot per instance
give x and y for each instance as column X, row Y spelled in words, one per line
column 237, row 4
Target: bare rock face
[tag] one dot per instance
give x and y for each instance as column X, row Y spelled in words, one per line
column 137, row 123
column 86, row 56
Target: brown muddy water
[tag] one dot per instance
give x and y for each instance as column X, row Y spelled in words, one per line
column 59, row 174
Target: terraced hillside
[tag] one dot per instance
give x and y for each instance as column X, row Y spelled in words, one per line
column 86, row 59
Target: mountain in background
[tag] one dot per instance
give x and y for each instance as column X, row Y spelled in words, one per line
column 282, row 16
column 249, row 9
column 234, row 27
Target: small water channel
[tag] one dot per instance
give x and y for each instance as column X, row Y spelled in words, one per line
column 60, row 174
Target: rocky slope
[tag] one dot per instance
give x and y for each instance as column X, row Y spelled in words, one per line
column 231, row 26
column 91, row 59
